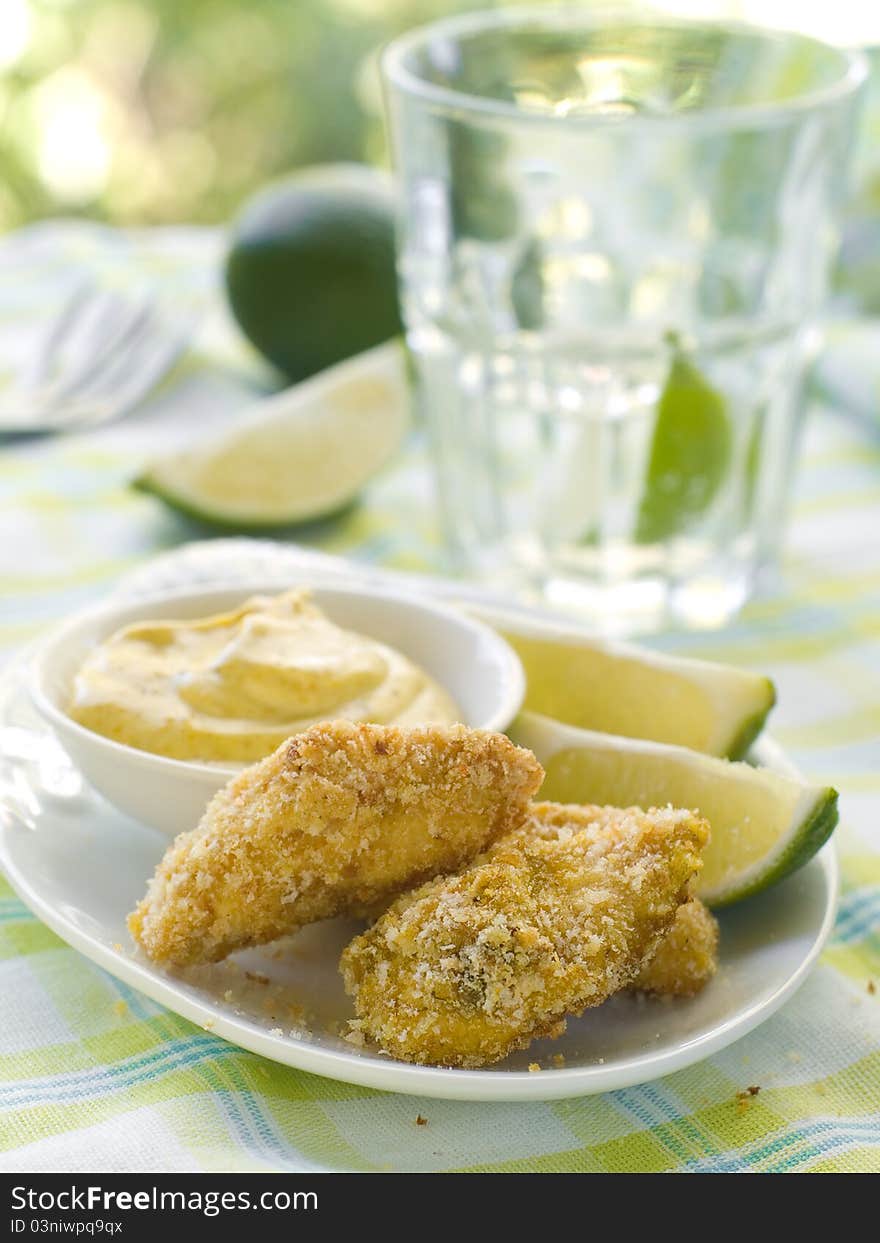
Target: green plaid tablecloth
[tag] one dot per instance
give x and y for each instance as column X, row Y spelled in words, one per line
column 89, row 1084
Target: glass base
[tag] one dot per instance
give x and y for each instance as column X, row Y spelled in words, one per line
column 646, row 604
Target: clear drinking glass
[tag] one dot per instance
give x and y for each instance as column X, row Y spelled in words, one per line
column 614, row 237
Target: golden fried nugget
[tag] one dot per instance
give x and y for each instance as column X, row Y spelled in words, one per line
column 555, row 917
column 339, row 816
column 686, row 958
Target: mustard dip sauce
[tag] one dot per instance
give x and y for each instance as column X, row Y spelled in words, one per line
column 232, row 687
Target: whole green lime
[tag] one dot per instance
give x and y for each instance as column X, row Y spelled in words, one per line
column 310, row 271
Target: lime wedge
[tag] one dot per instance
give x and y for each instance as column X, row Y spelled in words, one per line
column 638, row 693
column 764, row 825
column 300, row 455
column 690, row 453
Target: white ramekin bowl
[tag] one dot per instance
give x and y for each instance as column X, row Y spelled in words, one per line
column 475, row 665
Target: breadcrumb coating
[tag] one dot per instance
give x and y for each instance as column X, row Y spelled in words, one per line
column 554, row 917
column 686, row 958
column 340, row 816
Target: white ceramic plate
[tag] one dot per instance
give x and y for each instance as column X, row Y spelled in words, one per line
column 81, row 866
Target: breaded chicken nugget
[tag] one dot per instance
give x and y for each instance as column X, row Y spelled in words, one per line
column 339, row 816
column 686, row 958
column 553, row 918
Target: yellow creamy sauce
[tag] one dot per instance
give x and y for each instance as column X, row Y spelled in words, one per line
column 234, row 686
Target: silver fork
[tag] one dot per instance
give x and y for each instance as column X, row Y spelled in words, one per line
column 99, row 356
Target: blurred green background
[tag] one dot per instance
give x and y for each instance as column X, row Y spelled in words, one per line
column 157, row 111
column 152, row 111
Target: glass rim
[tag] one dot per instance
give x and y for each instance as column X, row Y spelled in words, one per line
column 397, row 74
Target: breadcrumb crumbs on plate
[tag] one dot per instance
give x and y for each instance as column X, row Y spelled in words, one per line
column 208, row 1025
column 533, row 1066
column 275, row 1031
column 744, row 1097
column 872, row 987
column 559, row 1060
column 120, row 1008
column 229, row 995
column 420, row 1121
column 117, row 947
